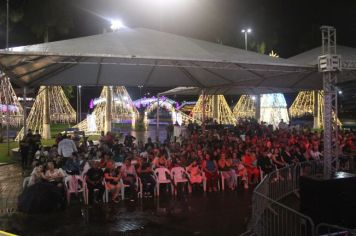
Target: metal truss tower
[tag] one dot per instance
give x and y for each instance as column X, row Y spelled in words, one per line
column 58, row 108
column 213, row 107
column 329, row 63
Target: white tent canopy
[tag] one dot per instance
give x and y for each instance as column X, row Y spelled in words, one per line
column 228, row 90
column 348, row 61
column 348, row 56
column 132, row 57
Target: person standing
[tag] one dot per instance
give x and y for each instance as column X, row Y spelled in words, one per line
column 24, row 150
column 66, row 147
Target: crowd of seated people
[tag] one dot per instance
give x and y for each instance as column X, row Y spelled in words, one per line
column 236, row 155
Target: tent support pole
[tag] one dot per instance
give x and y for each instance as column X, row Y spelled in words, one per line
column 203, row 111
column 46, row 115
column 157, row 119
column 24, row 111
column 108, row 120
column 258, row 108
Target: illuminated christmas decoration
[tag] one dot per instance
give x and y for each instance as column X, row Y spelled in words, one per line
column 274, row 106
column 245, row 108
column 150, row 104
column 274, row 109
column 273, row 54
column 10, row 108
column 304, row 105
column 122, row 110
column 187, row 107
column 60, row 110
column 216, row 108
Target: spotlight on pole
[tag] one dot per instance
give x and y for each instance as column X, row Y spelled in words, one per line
column 245, row 32
column 340, row 92
column 115, row 25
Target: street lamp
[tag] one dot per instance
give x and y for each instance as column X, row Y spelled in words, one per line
column 115, row 25
column 140, row 87
column 246, row 31
column 79, row 103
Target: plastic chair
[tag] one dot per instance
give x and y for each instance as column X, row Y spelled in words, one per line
column 138, row 184
column 203, row 177
column 107, row 191
column 72, row 185
column 222, row 180
column 180, row 175
column 87, row 190
column 25, row 182
column 161, row 175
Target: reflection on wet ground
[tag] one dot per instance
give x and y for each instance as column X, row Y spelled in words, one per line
column 150, row 132
column 198, row 214
column 10, row 187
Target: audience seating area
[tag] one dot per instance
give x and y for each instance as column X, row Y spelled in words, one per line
column 218, row 159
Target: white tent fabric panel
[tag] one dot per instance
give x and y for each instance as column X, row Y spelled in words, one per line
column 150, row 58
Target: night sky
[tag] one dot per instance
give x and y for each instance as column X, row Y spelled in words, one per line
column 288, row 27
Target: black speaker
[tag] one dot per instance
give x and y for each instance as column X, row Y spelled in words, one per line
column 329, row 200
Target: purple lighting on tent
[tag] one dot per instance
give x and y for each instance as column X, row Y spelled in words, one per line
column 91, row 104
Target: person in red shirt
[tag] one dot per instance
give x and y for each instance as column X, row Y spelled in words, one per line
column 250, row 162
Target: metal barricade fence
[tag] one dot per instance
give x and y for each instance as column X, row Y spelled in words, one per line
column 270, row 217
column 333, row 230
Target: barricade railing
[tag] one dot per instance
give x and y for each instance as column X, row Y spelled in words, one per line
column 269, row 216
column 334, row 230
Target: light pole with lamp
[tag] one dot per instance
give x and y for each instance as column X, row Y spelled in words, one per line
column 115, row 25
column 140, row 87
column 79, row 103
column 246, row 31
column 257, row 98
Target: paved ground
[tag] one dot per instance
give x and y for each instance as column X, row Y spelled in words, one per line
column 10, row 187
column 212, row 214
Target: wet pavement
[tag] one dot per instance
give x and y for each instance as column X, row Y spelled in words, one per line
column 10, row 187
column 221, row 213
column 151, row 132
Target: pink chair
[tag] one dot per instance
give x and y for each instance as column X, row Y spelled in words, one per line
column 163, row 176
column 179, row 175
column 72, row 185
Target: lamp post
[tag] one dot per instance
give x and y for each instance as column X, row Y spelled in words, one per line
column 115, row 25
column 79, row 103
column 140, row 87
column 246, row 31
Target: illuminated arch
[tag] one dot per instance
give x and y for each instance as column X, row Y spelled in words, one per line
column 150, row 104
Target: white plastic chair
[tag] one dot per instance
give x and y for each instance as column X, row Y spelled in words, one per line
column 107, row 191
column 222, row 180
column 122, row 190
column 177, row 173
column 72, row 185
column 25, row 182
column 87, row 190
column 161, row 174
